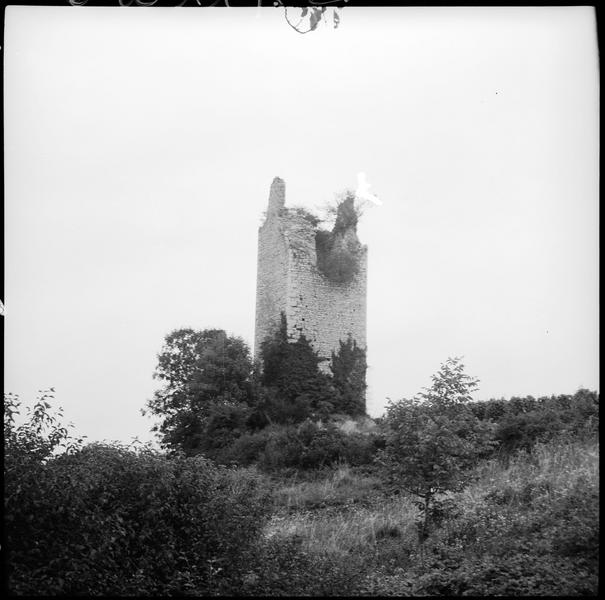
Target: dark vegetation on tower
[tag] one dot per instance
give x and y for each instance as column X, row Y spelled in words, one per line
column 338, row 251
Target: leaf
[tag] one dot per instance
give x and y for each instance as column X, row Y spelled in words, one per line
column 315, row 17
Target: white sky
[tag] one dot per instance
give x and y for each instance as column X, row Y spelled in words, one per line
column 140, row 145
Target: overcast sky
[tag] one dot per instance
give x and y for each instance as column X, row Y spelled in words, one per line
column 140, row 145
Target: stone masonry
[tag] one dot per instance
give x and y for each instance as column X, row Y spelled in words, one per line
column 288, row 280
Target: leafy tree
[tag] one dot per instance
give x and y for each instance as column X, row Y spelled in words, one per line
column 200, row 369
column 433, row 440
column 349, row 376
column 39, row 436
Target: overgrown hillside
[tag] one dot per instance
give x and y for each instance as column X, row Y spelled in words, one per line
column 442, row 496
column 529, row 528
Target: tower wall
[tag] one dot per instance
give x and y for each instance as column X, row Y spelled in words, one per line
column 272, row 268
column 289, row 280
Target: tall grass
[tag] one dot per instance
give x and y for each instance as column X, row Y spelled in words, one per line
column 345, row 512
column 550, row 469
column 343, row 531
column 341, row 487
column 525, row 527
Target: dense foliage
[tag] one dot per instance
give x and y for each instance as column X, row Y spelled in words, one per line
column 115, row 520
column 213, row 394
column 199, row 370
column 349, row 367
column 303, row 447
column 338, row 250
column 292, row 370
column 112, row 520
column 522, row 422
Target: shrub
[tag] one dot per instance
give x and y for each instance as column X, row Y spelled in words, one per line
column 276, row 409
column 111, row 520
column 521, row 423
column 305, row 214
column 282, row 450
column 306, row 446
column 247, row 449
column 225, row 423
column 360, row 449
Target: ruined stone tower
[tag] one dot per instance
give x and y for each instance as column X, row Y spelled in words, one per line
column 289, row 280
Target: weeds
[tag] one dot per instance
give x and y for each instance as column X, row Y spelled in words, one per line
column 526, row 528
column 342, row 487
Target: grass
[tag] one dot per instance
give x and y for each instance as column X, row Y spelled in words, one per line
column 345, row 512
column 550, row 470
column 341, row 487
column 536, row 512
column 345, row 530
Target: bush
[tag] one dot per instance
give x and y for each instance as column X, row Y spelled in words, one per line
column 224, row 424
column 247, row 449
column 274, row 408
column 304, row 447
column 282, row 450
column 312, row 446
column 521, row 423
column 305, row 214
column 360, row 449
column 111, row 520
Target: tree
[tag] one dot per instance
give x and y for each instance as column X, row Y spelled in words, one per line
column 200, row 369
column 349, row 375
column 434, row 439
column 38, row 437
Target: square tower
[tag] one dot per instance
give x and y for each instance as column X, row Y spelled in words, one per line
column 294, row 276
